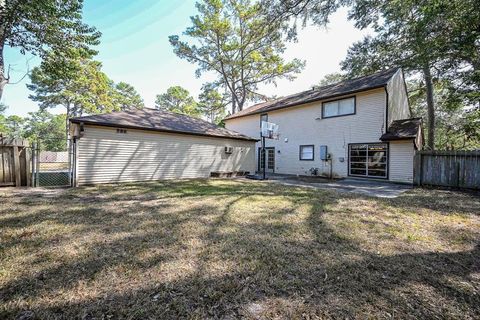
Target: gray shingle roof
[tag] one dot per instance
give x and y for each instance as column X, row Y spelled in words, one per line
column 156, row 120
column 376, row 80
column 403, row 129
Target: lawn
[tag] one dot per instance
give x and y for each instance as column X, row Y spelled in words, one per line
column 237, row 249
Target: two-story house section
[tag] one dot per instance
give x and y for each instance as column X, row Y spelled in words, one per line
column 355, row 128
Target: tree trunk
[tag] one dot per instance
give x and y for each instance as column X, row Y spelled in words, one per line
column 3, row 77
column 234, row 99
column 67, row 127
column 430, row 108
column 240, row 105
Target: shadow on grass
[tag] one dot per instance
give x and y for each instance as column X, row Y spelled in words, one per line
column 445, row 201
column 227, row 249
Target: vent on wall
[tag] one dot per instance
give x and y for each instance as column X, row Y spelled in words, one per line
column 122, row 131
column 228, row 150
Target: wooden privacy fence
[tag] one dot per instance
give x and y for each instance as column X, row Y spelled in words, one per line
column 15, row 160
column 458, row 169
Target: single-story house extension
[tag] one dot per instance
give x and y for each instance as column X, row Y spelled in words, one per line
column 358, row 128
column 148, row 144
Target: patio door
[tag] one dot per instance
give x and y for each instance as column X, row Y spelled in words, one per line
column 269, row 157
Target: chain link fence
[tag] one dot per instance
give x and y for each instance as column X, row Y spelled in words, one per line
column 53, row 159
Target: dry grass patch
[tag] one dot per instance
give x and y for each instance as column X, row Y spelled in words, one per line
column 238, row 249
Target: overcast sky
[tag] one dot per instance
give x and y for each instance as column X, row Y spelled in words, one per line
column 134, row 48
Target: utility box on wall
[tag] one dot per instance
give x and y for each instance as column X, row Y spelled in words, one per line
column 323, row 153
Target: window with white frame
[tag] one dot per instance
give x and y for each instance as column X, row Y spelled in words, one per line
column 338, row 108
column 307, row 152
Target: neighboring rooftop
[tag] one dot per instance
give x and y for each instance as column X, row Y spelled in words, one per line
column 403, row 129
column 376, row 80
column 156, row 120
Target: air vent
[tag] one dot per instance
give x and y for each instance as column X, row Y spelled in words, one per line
column 228, row 150
column 122, row 131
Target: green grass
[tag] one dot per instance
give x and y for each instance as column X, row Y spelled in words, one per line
column 237, row 249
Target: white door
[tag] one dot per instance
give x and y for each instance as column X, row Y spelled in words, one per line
column 269, row 157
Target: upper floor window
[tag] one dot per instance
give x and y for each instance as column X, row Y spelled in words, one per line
column 121, row 130
column 338, row 108
column 263, row 117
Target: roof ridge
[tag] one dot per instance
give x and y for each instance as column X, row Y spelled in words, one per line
column 373, row 74
column 143, row 109
column 316, row 93
column 414, row 118
column 160, row 120
column 181, row 114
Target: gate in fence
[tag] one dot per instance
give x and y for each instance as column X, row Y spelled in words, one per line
column 53, row 162
column 458, row 169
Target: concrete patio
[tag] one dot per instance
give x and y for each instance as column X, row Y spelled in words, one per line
column 379, row 189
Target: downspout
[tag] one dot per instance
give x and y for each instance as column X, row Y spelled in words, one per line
column 386, row 109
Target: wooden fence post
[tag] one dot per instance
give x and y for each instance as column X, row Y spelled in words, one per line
column 37, row 165
column 417, row 168
column 28, row 175
column 33, row 158
column 16, row 166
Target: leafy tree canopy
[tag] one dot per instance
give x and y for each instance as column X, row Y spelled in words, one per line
column 38, row 26
column 331, row 78
column 438, row 41
column 127, row 97
column 300, row 12
column 41, row 124
column 12, row 126
column 430, row 39
column 456, row 127
column 3, row 108
column 179, row 100
column 3, row 119
column 48, row 127
column 73, row 81
column 212, row 103
column 235, row 40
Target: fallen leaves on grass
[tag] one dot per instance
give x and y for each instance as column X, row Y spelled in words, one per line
column 236, row 248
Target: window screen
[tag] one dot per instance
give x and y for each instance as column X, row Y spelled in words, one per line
column 338, row 108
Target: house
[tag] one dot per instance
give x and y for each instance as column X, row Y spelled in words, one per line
column 148, row 144
column 358, row 128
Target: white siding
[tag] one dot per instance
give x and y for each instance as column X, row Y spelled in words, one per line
column 104, row 156
column 401, row 161
column 397, row 98
column 303, row 125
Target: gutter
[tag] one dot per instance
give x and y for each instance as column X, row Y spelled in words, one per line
column 396, row 138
